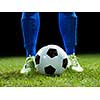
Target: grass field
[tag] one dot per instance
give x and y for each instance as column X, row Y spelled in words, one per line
column 10, row 74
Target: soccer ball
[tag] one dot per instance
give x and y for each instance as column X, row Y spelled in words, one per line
column 51, row 59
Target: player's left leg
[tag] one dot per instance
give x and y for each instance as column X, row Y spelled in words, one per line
column 30, row 22
column 68, row 29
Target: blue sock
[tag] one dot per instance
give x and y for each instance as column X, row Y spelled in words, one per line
column 68, row 30
column 30, row 23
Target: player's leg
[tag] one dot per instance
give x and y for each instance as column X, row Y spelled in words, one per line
column 68, row 30
column 30, row 23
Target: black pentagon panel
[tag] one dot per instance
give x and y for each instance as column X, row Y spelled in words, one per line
column 65, row 62
column 49, row 70
column 52, row 53
column 37, row 59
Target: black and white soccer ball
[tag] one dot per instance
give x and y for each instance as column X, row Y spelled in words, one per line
column 51, row 59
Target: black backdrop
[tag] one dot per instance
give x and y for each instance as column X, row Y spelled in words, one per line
column 11, row 41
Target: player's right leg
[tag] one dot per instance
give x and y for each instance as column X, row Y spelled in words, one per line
column 68, row 30
column 30, row 23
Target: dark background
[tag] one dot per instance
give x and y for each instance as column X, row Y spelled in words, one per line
column 11, row 41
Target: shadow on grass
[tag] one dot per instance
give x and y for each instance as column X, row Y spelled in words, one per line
column 12, row 74
column 18, row 75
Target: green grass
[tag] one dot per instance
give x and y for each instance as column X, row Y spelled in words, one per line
column 10, row 74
